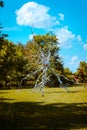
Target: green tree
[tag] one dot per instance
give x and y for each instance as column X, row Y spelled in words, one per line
column 20, row 63
column 50, row 42
column 12, row 64
column 6, row 59
column 68, row 73
column 82, row 71
column 43, row 43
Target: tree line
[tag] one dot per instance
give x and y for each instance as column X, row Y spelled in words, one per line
column 17, row 60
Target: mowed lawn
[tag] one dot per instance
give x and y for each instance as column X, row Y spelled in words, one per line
column 22, row 109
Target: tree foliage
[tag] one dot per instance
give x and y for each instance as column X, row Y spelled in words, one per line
column 16, row 61
column 43, row 43
column 82, row 71
column 11, row 63
column 50, row 42
column 68, row 73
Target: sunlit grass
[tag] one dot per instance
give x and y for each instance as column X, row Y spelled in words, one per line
column 23, row 109
column 77, row 94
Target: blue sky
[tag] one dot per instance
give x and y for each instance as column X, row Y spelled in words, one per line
column 67, row 19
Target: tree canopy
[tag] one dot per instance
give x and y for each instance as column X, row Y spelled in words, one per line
column 82, row 71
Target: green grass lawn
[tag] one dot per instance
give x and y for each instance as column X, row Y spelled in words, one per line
column 23, row 109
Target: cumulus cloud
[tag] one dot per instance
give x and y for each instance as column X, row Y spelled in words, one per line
column 30, row 37
column 74, row 63
column 65, row 36
column 79, row 38
column 85, row 46
column 35, row 14
column 74, row 59
column 61, row 16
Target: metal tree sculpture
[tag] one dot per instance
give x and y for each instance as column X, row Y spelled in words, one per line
column 44, row 65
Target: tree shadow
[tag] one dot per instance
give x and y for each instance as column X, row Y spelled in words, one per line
column 3, row 92
column 62, row 92
column 37, row 116
column 2, row 99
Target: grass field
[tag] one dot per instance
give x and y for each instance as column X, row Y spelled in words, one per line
column 57, row 110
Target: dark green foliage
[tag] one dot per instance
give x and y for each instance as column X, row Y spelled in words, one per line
column 82, row 72
column 11, row 64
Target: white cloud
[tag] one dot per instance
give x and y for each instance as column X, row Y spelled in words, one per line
column 30, row 36
column 79, row 38
column 74, row 59
column 85, row 46
column 65, row 37
column 35, row 14
column 73, row 63
column 61, row 16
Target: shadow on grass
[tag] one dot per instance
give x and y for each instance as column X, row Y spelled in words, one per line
column 5, row 99
column 3, row 92
column 36, row 116
column 63, row 92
